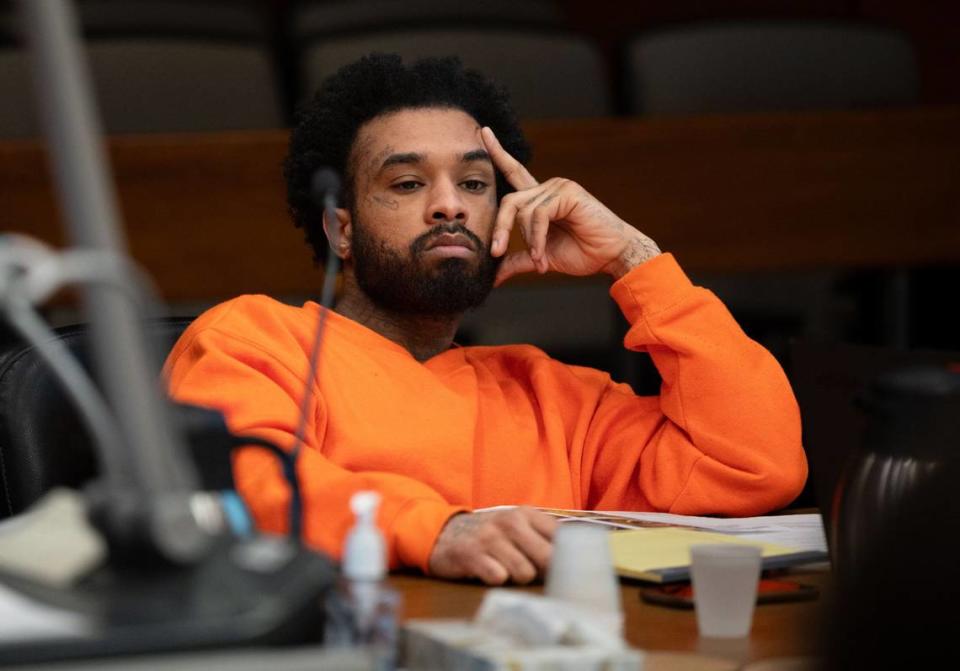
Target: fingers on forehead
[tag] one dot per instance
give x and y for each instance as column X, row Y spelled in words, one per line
column 501, row 157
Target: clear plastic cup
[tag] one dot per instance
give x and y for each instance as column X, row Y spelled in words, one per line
column 581, row 570
column 725, row 581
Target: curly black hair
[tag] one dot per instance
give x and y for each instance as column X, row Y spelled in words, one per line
column 326, row 127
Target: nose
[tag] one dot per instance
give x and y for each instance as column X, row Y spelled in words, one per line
column 445, row 204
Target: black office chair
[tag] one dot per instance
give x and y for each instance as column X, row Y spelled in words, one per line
column 145, row 607
column 43, row 442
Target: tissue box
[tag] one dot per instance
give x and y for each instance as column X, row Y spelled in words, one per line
column 463, row 645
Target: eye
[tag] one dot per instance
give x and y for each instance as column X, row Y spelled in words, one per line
column 407, row 185
column 474, row 185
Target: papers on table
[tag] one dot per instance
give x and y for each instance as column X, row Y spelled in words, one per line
column 53, row 542
column 23, row 619
column 52, row 545
column 802, row 532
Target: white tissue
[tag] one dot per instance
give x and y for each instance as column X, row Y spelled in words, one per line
column 534, row 620
column 52, row 542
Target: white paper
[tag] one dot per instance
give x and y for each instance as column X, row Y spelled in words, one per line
column 804, row 532
column 23, row 619
column 52, row 542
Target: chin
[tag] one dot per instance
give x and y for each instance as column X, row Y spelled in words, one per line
column 455, row 263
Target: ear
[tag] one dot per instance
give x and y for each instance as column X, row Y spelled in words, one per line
column 340, row 235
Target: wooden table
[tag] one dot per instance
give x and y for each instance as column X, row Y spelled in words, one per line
column 785, row 630
column 206, row 216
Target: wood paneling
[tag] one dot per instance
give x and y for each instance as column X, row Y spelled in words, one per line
column 769, row 192
column 206, row 213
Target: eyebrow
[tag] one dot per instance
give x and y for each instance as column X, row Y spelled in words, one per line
column 413, row 158
column 477, row 155
column 410, row 158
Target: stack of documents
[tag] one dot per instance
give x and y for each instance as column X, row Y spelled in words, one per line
column 656, row 546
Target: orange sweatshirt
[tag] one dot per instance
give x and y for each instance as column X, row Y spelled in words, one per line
column 481, row 426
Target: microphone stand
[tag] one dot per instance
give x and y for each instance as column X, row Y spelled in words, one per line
column 143, row 502
column 173, row 581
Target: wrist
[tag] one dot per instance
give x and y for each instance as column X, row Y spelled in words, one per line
column 637, row 250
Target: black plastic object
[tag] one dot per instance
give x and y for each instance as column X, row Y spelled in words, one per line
column 43, row 442
column 263, row 591
column 912, row 430
column 769, row 590
column 893, row 612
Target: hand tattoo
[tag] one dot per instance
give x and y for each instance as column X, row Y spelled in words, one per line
column 639, row 248
column 462, row 524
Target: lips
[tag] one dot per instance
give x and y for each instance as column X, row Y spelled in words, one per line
column 451, row 240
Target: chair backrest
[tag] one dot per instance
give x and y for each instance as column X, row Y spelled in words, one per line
column 221, row 19
column 149, row 84
column 174, row 84
column 769, row 66
column 326, row 18
column 549, row 74
column 17, row 113
column 160, row 66
column 43, row 443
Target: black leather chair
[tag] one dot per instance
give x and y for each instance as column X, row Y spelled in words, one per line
column 43, row 442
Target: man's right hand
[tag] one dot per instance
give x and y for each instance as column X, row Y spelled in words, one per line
column 496, row 546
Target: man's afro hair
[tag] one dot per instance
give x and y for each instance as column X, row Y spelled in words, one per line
column 326, row 127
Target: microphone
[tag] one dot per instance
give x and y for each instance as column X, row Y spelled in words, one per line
column 324, row 189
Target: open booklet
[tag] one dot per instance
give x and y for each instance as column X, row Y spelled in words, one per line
column 655, row 547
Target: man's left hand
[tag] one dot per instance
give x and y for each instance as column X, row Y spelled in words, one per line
column 565, row 228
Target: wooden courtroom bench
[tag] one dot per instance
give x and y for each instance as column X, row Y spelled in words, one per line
column 205, row 213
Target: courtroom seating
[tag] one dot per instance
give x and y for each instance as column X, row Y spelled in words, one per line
column 149, row 85
column 163, row 66
column 736, row 67
column 775, row 66
column 311, row 19
column 8, row 23
column 219, row 19
column 767, row 66
column 549, row 73
column 17, row 116
column 43, row 442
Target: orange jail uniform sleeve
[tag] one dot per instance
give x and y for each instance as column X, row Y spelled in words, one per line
column 480, row 426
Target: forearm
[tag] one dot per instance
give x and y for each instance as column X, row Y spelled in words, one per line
column 259, row 397
column 732, row 440
column 411, row 514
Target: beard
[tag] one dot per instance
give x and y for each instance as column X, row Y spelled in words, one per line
column 408, row 284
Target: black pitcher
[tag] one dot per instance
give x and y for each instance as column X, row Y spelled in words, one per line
column 913, row 427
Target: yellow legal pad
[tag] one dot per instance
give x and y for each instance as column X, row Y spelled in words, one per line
column 662, row 554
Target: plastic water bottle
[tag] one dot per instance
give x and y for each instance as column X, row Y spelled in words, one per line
column 362, row 611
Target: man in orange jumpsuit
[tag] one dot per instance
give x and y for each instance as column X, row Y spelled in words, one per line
column 434, row 183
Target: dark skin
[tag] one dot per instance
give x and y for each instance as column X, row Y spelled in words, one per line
column 389, row 197
column 423, row 337
column 419, row 167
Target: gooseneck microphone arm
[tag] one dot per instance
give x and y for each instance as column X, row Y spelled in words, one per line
column 143, row 502
column 325, row 188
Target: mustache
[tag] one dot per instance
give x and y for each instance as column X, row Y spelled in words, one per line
column 419, row 245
